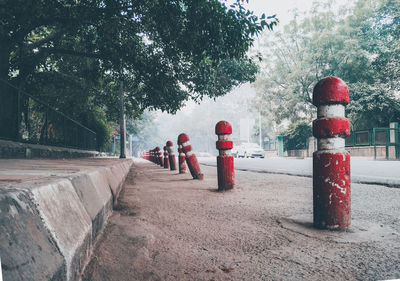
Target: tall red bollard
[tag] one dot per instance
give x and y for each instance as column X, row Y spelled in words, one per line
column 155, row 156
column 159, row 157
column 191, row 158
column 166, row 160
column 171, row 156
column 225, row 167
column 331, row 163
column 152, row 156
column 182, row 160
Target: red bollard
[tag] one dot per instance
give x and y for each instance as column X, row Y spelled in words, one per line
column 172, row 160
column 225, row 167
column 155, row 156
column 331, row 163
column 182, row 160
column 191, row 158
column 159, row 157
column 166, row 161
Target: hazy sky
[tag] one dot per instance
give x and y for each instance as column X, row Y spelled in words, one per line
column 282, row 8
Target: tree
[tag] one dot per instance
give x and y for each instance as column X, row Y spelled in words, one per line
column 351, row 43
column 165, row 49
column 375, row 101
column 296, row 135
column 166, row 52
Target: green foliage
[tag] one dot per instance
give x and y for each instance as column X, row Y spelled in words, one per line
column 296, row 135
column 98, row 122
column 375, row 101
column 165, row 51
column 74, row 54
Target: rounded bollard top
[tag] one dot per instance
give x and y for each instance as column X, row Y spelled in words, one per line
column 170, row 143
column 182, row 138
column 158, row 148
column 223, row 127
column 330, row 90
column 165, row 148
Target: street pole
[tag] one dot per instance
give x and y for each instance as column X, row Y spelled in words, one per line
column 1, row 274
column 113, row 146
column 130, row 145
column 259, row 128
column 122, row 122
column 248, row 129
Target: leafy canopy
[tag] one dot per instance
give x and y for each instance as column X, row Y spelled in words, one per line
column 359, row 44
column 165, row 51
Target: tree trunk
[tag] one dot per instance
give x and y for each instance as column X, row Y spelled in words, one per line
column 8, row 96
column 122, row 122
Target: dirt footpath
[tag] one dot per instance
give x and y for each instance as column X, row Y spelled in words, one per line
column 170, row 227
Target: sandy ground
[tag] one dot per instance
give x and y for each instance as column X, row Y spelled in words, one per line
column 169, row 227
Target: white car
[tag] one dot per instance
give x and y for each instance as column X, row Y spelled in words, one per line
column 249, row 149
column 235, row 151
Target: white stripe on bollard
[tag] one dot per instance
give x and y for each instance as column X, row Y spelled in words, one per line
column 335, row 143
column 331, row 110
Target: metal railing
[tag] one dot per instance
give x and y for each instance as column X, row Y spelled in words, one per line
column 388, row 137
column 24, row 118
column 375, row 136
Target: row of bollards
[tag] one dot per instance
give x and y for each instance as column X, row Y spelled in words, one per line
column 331, row 162
column 169, row 162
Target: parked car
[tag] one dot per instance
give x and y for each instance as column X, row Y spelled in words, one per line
column 235, row 151
column 249, row 149
column 204, row 154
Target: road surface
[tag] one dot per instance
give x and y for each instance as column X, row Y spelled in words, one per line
column 362, row 170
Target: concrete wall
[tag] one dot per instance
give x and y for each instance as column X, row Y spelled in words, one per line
column 359, row 151
column 18, row 150
column 272, row 153
column 299, row 153
column 47, row 232
column 367, row 151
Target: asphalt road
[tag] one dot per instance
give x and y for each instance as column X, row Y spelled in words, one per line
column 362, row 170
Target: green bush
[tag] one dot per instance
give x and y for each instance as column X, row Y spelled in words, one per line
column 296, row 136
column 98, row 123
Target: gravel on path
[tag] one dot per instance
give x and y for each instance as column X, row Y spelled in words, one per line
column 167, row 226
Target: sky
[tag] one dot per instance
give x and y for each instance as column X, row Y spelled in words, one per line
column 281, row 8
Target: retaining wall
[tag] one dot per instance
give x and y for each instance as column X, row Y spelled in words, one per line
column 358, row 151
column 47, row 232
column 19, row 150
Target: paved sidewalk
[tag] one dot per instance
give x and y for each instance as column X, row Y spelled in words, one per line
column 18, row 173
column 170, row 227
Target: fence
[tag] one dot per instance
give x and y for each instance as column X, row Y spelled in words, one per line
column 388, row 137
column 271, row 145
column 24, row 118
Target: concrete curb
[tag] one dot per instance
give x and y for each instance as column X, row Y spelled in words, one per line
column 48, row 232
